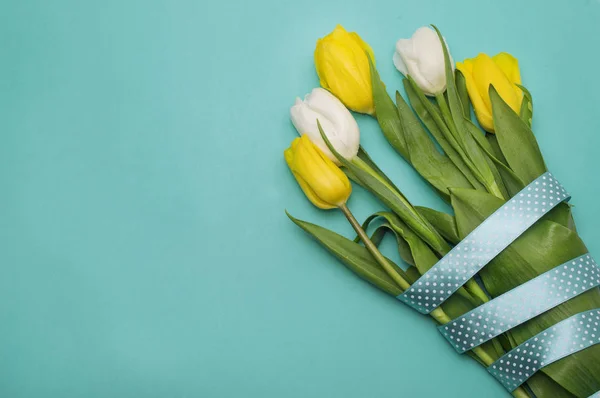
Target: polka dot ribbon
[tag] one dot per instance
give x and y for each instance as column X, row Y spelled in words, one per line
column 483, row 244
column 522, row 303
column 565, row 338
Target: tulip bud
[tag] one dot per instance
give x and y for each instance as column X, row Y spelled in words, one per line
column 422, row 58
column 323, row 183
column 501, row 71
column 337, row 123
column 343, row 68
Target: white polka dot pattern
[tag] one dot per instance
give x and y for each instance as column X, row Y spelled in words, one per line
column 484, row 243
column 565, row 338
column 522, row 303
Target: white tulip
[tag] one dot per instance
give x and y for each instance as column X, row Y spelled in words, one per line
column 422, row 58
column 337, row 123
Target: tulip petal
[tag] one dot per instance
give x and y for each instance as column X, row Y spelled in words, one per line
column 399, row 64
column 310, row 194
column 510, row 66
column 366, row 47
column 484, row 115
column 415, row 72
column 486, row 72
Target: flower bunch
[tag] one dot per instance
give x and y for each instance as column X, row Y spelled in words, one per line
column 476, row 168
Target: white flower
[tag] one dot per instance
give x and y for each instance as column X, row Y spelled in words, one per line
column 337, row 123
column 422, row 58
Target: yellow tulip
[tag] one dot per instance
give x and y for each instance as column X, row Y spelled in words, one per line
column 324, row 183
column 343, row 68
column 501, row 71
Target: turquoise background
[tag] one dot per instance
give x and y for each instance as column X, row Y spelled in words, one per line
column 144, row 248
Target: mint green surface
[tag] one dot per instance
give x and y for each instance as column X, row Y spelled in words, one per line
column 144, row 249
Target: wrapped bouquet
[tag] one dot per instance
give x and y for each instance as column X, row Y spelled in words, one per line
column 506, row 276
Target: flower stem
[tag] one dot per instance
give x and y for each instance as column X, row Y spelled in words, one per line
column 473, row 287
column 380, row 258
column 521, row 393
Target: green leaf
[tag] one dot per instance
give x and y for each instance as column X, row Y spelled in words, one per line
column 508, row 182
column 379, row 233
column 436, row 168
column 562, row 215
column 390, row 197
column 544, row 387
column 463, row 94
column 413, row 274
column 544, row 246
column 495, row 147
column 526, row 112
column 453, row 98
column 518, row 144
column 424, row 257
column 454, row 101
column 364, row 156
column 432, row 119
column 483, row 169
column 484, row 145
column 387, row 114
column 356, row 257
column 444, row 223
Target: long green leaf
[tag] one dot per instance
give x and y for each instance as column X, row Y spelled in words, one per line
column 379, row 233
column 432, row 119
column 526, row 113
column 424, row 257
column 544, row 387
column 495, row 147
column 356, row 257
column 562, row 215
column 387, row 114
column 518, row 144
column 509, row 182
column 463, row 94
column 364, row 156
column 543, row 247
column 413, row 274
column 443, row 222
column 436, row 168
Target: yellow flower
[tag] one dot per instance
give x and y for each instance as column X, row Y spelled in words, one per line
column 501, row 71
column 325, row 184
column 343, row 68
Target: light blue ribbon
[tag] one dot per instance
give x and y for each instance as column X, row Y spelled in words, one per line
column 565, row 338
column 523, row 303
column 483, row 244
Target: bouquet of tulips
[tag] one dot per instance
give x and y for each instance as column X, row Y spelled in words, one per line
column 475, row 168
